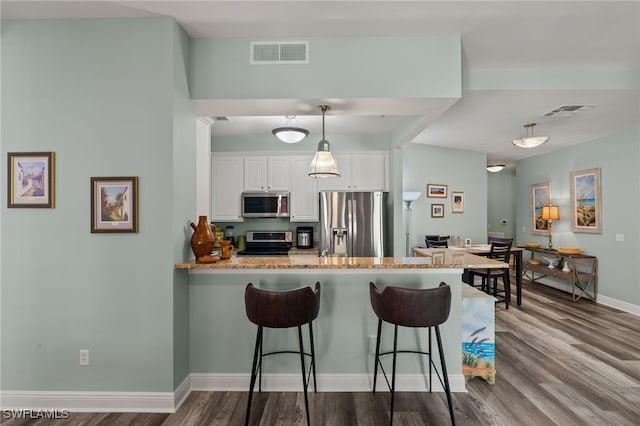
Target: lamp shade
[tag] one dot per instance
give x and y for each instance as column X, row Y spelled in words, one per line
column 290, row 134
column 530, row 141
column 410, row 196
column 324, row 163
column 550, row 212
column 493, row 168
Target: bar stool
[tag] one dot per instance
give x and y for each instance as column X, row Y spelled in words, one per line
column 282, row 309
column 500, row 250
column 411, row 308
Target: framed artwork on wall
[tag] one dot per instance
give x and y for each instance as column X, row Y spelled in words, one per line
column 457, row 202
column 586, row 201
column 435, row 190
column 31, row 179
column 437, row 210
column 114, row 204
column 540, row 196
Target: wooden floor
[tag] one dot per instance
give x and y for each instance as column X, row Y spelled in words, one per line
column 558, row 363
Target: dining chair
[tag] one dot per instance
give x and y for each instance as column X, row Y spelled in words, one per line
column 501, row 251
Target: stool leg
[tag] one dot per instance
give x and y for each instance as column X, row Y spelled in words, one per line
column 375, row 361
column 507, row 288
column 447, row 389
column 313, row 359
column 260, row 366
column 254, row 371
column 304, row 379
column 430, row 363
column 393, row 377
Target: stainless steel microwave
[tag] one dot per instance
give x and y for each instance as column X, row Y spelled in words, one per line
column 265, row 204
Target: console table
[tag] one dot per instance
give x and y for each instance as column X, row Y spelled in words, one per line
column 582, row 276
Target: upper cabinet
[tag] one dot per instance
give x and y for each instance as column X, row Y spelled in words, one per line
column 267, row 173
column 226, row 185
column 359, row 172
column 304, row 191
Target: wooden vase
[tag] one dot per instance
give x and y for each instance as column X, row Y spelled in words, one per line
column 202, row 240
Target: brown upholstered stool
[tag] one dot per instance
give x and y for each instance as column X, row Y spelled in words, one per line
column 282, row 309
column 411, row 308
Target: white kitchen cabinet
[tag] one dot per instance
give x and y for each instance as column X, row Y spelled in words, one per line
column 226, row 184
column 267, row 173
column 303, row 202
column 358, row 172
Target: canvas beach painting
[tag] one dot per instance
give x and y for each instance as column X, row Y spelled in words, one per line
column 540, row 196
column 586, row 206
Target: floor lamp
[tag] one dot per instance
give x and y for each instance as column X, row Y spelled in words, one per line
column 408, row 198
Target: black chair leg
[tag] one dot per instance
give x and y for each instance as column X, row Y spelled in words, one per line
column 304, row 379
column 447, row 389
column 376, row 360
column 313, row 359
column 507, row 288
column 260, row 366
column 430, row 363
column 254, row 372
column 393, row 374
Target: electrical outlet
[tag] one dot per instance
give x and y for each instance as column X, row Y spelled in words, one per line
column 84, row 356
column 372, row 344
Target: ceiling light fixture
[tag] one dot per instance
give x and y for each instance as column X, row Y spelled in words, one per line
column 494, row 168
column 530, row 141
column 323, row 164
column 289, row 134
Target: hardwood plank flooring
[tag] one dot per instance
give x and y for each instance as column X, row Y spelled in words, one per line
column 558, row 363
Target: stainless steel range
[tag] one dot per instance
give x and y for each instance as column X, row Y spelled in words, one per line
column 267, row 243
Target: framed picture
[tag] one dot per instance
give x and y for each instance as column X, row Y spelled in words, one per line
column 435, row 190
column 114, row 204
column 457, row 202
column 437, row 210
column 31, row 179
column 438, row 257
column 540, row 196
column 586, row 201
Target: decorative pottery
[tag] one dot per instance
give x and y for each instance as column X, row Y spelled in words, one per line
column 226, row 249
column 202, row 240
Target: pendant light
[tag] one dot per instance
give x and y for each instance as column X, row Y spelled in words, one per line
column 530, row 141
column 494, row 168
column 323, row 163
column 289, row 134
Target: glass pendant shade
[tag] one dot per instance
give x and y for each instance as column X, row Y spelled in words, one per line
column 530, row 141
column 290, row 134
column 493, row 168
column 323, row 164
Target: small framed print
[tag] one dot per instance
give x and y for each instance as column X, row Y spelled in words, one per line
column 31, row 179
column 114, row 204
column 457, row 202
column 437, row 210
column 435, row 190
column 438, row 257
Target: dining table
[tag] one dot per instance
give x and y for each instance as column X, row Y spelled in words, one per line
column 483, row 250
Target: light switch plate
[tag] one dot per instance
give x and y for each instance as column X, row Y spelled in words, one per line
column 619, row 237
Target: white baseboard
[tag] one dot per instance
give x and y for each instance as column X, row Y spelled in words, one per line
column 326, row 383
column 168, row 402
column 90, row 402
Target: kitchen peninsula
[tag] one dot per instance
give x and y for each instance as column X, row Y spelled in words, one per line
column 221, row 337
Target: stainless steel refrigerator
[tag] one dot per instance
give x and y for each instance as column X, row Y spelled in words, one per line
column 352, row 224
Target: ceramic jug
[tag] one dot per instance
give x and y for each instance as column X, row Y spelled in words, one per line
column 227, row 249
column 202, row 240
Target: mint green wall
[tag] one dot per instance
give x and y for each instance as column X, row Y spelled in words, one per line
column 411, row 67
column 461, row 171
column 268, row 143
column 618, row 157
column 501, row 204
column 103, row 94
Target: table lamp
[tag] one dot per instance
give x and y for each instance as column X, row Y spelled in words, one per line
column 550, row 213
column 408, row 198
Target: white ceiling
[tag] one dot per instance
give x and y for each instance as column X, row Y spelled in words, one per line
column 495, row 35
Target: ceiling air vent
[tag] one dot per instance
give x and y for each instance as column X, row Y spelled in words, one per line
column 568, row 110
column 279, row 52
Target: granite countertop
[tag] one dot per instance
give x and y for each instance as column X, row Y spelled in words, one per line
column 461, row 260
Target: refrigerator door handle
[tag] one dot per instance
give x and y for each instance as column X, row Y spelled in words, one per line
column 354, row 227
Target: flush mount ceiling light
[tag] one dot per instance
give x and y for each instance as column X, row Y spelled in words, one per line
column 494, row 168
column 289, row 134
column 530, row 141
column 323, row 164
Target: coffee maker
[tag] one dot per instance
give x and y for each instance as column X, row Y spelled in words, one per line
column 304, row 237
